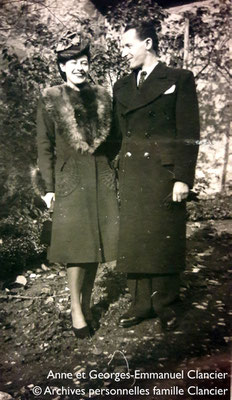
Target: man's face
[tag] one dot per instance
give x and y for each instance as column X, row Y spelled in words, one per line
column 76, row 70
column 133, row 49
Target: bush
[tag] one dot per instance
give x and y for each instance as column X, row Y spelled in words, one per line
column 20, row 238
column 219, row 207
column 24, row 74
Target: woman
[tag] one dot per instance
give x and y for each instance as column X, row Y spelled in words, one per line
column 73, row 122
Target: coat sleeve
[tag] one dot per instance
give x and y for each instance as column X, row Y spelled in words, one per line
column 46, row 146
column 187, row 129
column 114, row 139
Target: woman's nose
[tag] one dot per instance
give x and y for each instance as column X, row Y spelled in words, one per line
column 78, row 67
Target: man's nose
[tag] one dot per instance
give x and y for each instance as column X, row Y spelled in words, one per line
column 124, row 53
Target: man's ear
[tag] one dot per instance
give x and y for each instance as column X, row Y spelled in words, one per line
column 149, row 43
column 63, row 67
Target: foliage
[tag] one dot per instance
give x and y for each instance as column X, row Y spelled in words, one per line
column 218, row 207
column 20, row 233
column 208, row 57
column 19, row 228
column 135, row 11
column 29, row 33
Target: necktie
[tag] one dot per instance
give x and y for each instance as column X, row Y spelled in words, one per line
column 142, row 78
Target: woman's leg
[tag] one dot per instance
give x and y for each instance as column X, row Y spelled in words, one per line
column 80, row 280
column 87, row 288
column 75, row 281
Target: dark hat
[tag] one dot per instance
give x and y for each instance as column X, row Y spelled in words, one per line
column 73, row 41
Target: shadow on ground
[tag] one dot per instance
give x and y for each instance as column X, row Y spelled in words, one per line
column 37, row 337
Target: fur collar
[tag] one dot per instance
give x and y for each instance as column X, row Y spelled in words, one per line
column 81, row 118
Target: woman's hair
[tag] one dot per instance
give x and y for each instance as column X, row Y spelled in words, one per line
column 71, row 53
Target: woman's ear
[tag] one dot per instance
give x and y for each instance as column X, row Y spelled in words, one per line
column 62, row 67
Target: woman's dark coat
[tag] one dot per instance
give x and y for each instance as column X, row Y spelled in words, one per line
column 71, row 127
column 158, row 127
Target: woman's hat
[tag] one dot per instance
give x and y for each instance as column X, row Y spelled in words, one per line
column 73, row 40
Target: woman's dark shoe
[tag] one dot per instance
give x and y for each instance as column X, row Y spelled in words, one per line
column 82, row 333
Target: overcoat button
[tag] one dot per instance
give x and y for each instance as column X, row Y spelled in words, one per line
column 147, row 155
column 128, row 134
column 128, row 154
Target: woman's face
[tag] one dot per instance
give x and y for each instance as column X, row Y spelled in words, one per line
column 76, row 70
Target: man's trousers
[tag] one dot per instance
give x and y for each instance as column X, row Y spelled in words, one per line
column 152, row 294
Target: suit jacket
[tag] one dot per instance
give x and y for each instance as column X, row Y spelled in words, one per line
column 157, row 129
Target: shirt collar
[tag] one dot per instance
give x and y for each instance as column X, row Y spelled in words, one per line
column 148, row 70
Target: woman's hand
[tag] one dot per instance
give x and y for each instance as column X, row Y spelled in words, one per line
column 49, row 198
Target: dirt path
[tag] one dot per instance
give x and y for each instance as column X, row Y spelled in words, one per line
column 36, row 339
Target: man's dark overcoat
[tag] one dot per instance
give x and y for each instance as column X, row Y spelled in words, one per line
column 158, row 126
column 71, row 127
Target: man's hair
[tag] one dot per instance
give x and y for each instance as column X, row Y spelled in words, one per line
column 145, row 30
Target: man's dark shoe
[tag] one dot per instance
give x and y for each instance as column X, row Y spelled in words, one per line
column 168, row 321
column 129, row 319
column 127, row 322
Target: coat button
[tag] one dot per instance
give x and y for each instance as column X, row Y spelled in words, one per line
column 152, row 113
column 146, row 155
column 128, row 134
column 148, row 135
column 128, row 154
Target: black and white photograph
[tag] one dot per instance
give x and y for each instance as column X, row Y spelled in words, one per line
column 115, row 207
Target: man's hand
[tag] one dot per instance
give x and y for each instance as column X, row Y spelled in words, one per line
column 180, row 191
column 49, row 198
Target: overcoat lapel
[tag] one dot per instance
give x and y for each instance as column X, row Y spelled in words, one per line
column 156, row 84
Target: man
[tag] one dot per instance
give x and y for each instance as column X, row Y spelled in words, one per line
column 157, row 123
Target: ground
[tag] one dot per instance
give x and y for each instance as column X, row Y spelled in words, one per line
column 37, row 342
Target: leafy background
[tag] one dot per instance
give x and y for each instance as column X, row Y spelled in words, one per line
column 29, row 33
column 35, row 318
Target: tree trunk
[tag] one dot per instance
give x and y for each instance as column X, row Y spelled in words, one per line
column 186, row 43
column 226, row 160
